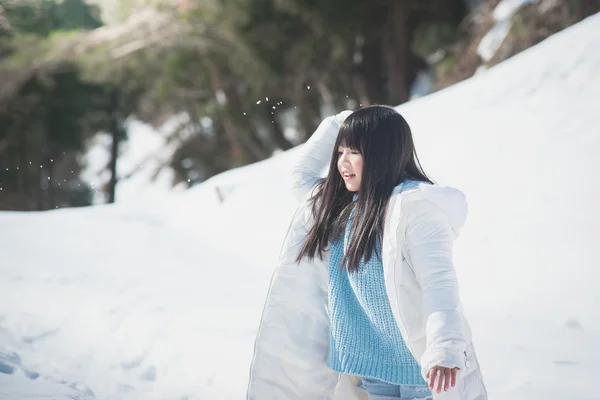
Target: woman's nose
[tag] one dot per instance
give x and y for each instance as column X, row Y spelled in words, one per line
column 343, row 159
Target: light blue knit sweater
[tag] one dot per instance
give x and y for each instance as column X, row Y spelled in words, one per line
column 364, row 339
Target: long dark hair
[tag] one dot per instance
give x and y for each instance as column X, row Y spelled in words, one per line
column 385, row 141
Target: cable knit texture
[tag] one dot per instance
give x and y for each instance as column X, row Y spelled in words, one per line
column 364, row 339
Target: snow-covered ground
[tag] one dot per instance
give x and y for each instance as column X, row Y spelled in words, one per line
column 160, row 297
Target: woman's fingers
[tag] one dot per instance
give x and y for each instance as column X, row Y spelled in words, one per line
column 447, row 379
column 431, row 375
column 441, row 378
column 454, row 374
column 436, row 378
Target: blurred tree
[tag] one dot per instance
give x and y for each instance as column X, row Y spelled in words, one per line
column 42, row 17
column 46, row 110
column 237, row 80
column 249, row 67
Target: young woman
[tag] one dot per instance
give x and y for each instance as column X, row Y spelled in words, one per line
column 364, row 303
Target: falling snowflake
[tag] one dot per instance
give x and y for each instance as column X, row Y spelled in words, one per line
column 258, row 102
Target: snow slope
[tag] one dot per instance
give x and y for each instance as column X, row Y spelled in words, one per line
column 160, row 298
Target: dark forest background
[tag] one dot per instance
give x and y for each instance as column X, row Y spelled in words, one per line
column 71, row 69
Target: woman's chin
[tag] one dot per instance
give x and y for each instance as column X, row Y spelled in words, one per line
column 351, row 188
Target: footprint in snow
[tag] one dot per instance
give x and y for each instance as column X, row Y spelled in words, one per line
column 149, row 374
column 573, row 324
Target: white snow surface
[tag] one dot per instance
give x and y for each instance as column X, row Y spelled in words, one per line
column 160, row 298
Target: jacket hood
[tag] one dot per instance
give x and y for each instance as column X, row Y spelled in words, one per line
column 451, row 201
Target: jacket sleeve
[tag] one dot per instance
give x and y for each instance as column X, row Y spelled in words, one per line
column 316, row 154
column 429, row 242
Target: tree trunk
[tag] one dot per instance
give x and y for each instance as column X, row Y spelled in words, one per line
column 278, row 136
column 472, row 4
column 396, row 51
column 252, row 151
column 49, row 168
column 22, row 181
column 238, row 149
column 39, row 158
column 240, row 126
column 361, row 90
column 40, row 192
column 368, row 80
column 309, row 115
column 259, row 149
column 275, row 130
column 115, row 130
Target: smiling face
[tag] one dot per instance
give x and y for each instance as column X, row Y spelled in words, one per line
column 350, row 164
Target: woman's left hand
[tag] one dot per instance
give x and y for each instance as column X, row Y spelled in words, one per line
column 441, row 377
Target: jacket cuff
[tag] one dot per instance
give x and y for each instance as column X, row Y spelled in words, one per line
column 443, row 357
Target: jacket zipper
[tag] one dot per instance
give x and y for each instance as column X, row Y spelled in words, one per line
column 407, row 340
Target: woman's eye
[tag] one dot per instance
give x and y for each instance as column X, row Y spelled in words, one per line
column 355, row 152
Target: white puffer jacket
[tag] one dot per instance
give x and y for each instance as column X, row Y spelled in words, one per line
column 421, row 224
